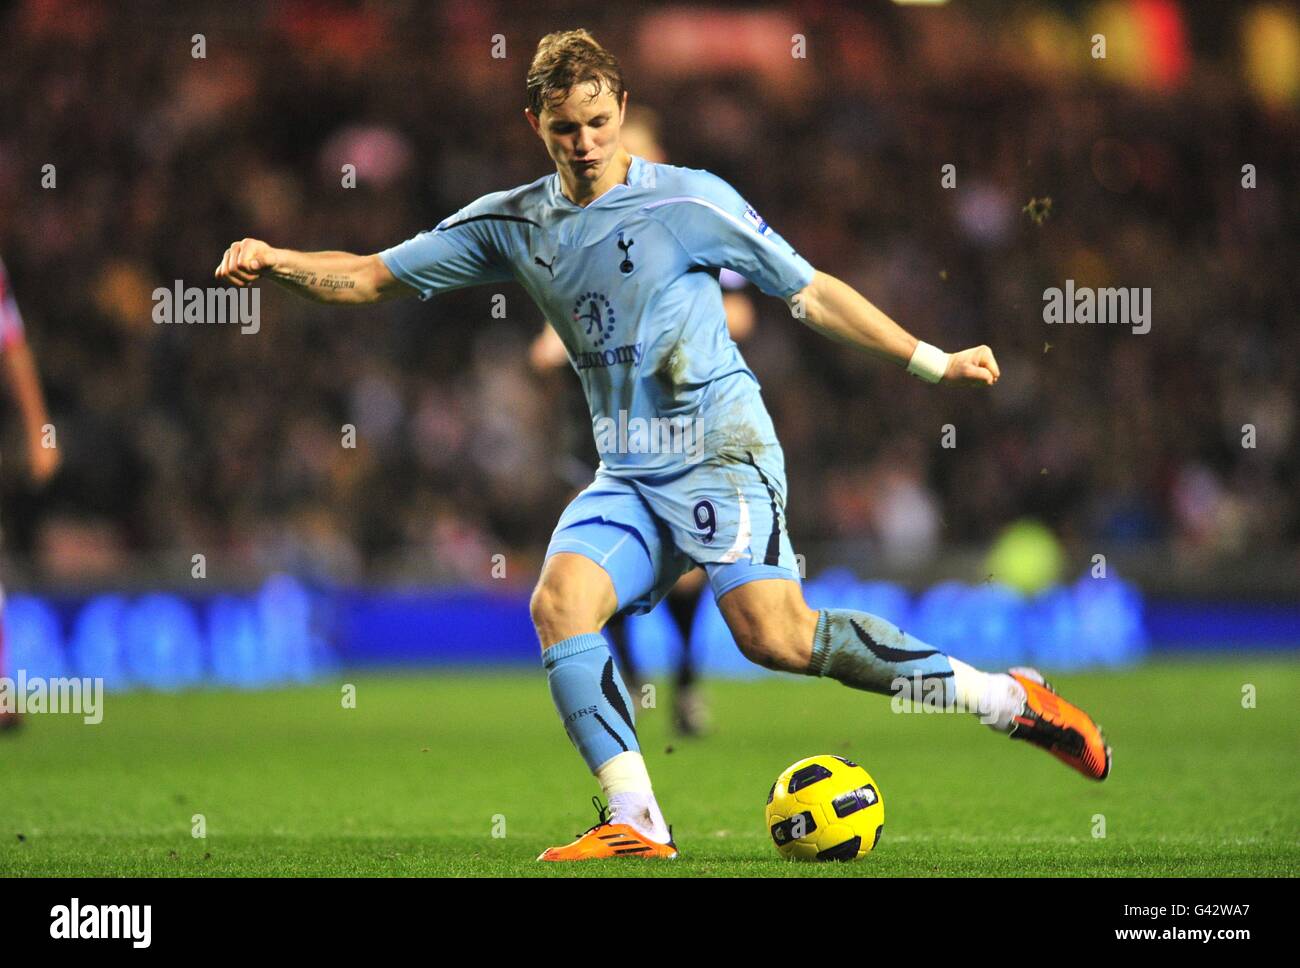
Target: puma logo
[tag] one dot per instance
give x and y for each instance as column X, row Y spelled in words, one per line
column 549, row 268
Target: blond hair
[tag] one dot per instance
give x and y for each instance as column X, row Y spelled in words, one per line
column 566, row 58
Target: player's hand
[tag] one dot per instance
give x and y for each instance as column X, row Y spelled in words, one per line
column 547, row 351
column 42, row 463
column 973, row 367
column 245, row 260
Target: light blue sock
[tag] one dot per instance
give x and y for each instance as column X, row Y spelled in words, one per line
column 591, row 698
column 866, row 652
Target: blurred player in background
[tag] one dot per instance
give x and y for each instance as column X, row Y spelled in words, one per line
column 623, row 256
column 24, row 387
column 690, row 710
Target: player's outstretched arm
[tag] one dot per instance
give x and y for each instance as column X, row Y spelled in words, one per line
column 837, row 310
column 19, row 371
column 327, row 277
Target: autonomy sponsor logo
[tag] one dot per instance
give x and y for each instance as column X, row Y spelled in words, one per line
column 595, row 309
column 631, row 353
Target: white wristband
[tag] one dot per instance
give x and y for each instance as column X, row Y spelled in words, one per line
column 928, row 362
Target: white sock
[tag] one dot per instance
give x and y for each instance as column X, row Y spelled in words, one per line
column 626, row 785
column 995, row 697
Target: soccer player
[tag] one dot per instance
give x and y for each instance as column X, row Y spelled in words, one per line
column 639, row 134
column 24, row 386
column 622, row 257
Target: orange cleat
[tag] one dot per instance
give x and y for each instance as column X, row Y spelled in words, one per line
column 1059, row 727
column 607, row 839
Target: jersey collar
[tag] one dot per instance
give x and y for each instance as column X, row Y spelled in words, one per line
column 636, row 173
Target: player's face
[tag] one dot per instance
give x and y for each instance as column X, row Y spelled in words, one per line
column 582, row 133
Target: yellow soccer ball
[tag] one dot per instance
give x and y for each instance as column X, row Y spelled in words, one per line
column 825, row 808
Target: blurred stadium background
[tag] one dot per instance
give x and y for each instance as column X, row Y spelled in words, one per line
column 420, row 545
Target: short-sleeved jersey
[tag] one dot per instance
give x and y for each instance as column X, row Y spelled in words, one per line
column 630, row 283
column 11, row 323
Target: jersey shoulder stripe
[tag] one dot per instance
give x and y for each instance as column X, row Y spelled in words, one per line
column 695, row 186
column 490, row 217
column 513, row 205
column 762, row 229
column 716, row 227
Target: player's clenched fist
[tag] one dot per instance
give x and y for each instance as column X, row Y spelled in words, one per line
column 245, row 260
column 973, row 367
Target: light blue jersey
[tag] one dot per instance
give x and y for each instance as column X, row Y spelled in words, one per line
column 630, row 283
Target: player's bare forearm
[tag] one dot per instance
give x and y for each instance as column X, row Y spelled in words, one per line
column 334, row 277
column 25, row 387
column 24, row 384
column 325, row 277
column 837, row 310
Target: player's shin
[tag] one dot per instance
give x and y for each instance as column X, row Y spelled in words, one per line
column 597, row 713
column 867, row 652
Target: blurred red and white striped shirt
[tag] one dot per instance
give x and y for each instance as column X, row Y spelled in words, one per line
column 11, row 322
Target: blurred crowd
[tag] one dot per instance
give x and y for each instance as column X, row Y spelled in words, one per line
column 203, row 439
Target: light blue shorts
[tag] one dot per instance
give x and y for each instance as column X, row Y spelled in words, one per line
column 728, row 517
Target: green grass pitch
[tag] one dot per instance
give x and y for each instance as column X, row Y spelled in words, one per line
column 415, row 778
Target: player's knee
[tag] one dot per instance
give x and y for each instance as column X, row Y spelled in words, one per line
column 570, row 601
column 759, row 648
column 552, row 615
column 780, row 641
column 771, row 623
